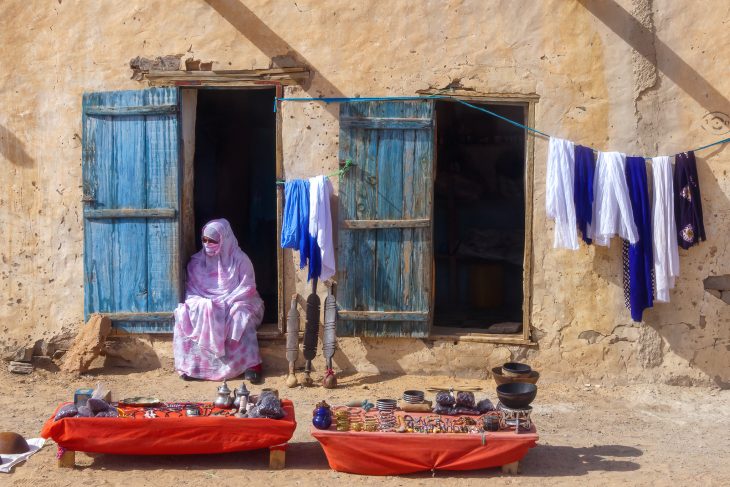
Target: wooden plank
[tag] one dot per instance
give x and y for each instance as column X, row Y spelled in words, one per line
column 67, row 459
column 162, row 135
column 189, row 101
column 279, row 173
column 91, row 214
column 527, row 262
column 277, row 458
column 371, row 224
column 386, row 123
column 146, row 327
column 232, row 72
column 98, row 265
column 420, row 205
column 152, row 316
column 388, row 258
column 130, row 111
column 410, row 280
column 350, row 147
column 129, row 248
column 484, row 97
column 383, row 315
column 391, row 329
column 450, row 334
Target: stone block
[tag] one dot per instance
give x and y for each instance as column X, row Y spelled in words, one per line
column 88, row 345
column 720, row 283
column 20, row 368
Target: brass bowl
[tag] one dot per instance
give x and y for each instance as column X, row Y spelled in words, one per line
column 500, row 378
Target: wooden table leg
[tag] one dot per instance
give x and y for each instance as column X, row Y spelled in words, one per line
column 511, row 468
column 67, row 459
column 277, row 457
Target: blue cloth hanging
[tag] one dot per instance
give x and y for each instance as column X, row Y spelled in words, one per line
column 639, row 257
column 585, row 167
column 295, row 221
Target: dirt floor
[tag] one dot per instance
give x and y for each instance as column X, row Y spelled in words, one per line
column 589, row 435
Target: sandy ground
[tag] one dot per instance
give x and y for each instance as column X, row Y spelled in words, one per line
column 589, row 435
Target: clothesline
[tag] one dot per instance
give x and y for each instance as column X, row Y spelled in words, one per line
column 339, row 173
column 444, row 97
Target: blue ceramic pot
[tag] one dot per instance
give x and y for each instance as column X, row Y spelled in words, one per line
column 322, row 419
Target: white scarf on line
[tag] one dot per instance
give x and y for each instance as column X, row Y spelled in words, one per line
column 612, row 214
column 666, row 252
column 560, row 205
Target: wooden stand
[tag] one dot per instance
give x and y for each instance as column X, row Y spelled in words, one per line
column 511, row 468
column 67, row 459
column 277, row 457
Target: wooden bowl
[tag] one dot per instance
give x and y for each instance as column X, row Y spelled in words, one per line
column 12, row 443
column 516, row 369
column 500, row 378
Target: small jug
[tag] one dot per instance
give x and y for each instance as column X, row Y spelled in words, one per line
column 322, row 416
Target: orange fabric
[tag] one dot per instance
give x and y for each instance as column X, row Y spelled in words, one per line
column 170, row 436
column 399, row 453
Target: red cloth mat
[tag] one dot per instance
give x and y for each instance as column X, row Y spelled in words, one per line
column 170, row 436
column 369, row 453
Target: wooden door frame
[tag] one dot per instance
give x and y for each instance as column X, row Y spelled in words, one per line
column 279, row 170
column 528, row 103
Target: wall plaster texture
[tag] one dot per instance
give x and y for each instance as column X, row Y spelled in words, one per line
column 638, row 76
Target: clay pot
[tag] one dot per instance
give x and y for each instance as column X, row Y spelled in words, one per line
column 516, row 369
column 12, row 443
column 500, row 378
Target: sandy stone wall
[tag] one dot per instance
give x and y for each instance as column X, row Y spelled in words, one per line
column 639, row 76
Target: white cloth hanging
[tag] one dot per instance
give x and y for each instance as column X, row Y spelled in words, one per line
column 666, row 252
column 560, row 205
column 612, row 213
column 320, row 223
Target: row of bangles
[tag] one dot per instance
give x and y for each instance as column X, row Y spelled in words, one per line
column 439, row 424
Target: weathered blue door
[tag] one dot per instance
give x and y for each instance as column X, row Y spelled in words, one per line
column 131, row 166
column 384, row 254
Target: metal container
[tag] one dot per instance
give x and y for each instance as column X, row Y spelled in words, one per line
column 223, row 399
column 240, row 393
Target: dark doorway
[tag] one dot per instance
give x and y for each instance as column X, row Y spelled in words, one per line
column 235, row 177
column 479, row 218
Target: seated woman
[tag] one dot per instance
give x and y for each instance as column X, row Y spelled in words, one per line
column 215, row 328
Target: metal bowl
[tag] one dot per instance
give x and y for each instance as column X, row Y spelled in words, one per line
column 517, row 395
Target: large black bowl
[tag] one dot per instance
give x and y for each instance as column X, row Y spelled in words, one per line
column 517, row 395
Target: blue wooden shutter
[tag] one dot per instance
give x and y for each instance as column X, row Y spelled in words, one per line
column 384, row 251
column 131, row 153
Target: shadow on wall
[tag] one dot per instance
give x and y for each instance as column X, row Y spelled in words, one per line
column 698, row 340
column 645, row 42
column 282, row 54
column 13, row 149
